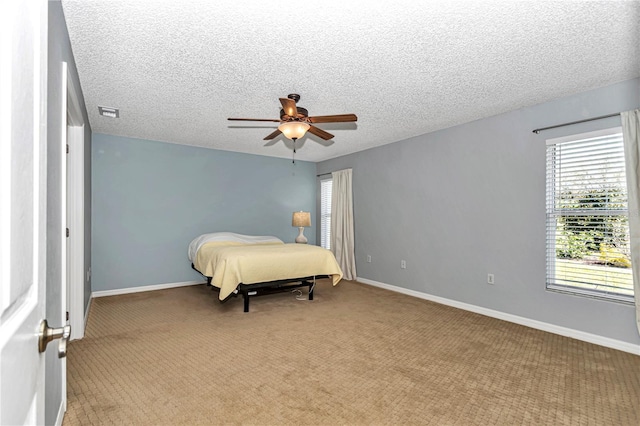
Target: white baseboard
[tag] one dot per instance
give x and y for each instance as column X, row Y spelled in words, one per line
column 551, row 328
column 86, row 312
column 60, row 416
column 118, row 291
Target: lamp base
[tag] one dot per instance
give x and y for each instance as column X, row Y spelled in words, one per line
column 301, row 239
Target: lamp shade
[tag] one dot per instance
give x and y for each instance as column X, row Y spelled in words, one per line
column 301, row 219
column 294, row 129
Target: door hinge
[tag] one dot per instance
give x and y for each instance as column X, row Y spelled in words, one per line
column 67, row 232
column 67, row 148
column 67, row 315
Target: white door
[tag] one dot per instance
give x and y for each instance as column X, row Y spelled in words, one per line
column 23, row 109
column 74, row 204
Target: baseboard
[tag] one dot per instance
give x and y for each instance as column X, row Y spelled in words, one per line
column 551, row 328
column 60, row 416
column 86, row 312
column 153, row 287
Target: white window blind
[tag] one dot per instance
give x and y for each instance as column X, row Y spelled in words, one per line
column 325, row 212
column 588, row 249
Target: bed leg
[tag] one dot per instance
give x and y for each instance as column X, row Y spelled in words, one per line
column 245, row 296
column 311, row 286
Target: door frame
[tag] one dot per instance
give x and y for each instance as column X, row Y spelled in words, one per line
column 73, row 205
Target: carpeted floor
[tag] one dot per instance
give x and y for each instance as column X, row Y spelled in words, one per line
column 355, row 355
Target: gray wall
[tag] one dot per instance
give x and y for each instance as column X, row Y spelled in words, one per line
column 466, row 201
column 59, row 49
column 150, row 199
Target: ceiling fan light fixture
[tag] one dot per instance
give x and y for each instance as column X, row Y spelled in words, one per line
column 295, row 121
column 293, row 129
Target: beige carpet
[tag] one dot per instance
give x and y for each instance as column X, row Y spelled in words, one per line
column 354, row 355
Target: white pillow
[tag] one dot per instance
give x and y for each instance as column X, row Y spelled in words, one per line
column 195, row 245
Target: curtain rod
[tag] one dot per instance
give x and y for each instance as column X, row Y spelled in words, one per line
column 324, row 174
column 575, row 122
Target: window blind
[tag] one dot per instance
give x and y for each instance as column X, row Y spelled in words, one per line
column 326, row 186
column 588, row 249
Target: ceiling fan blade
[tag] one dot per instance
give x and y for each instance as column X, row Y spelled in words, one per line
column 340, row 118
column 254, row 119
column 272, row 135
column 320, row 133
column 289, row 106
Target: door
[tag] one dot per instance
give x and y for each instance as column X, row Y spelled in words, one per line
column 23, row 109
column 76, row 278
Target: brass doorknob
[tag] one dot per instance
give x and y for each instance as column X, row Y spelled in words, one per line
column 48, row 334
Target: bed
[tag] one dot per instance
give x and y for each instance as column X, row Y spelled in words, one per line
column 256, row 265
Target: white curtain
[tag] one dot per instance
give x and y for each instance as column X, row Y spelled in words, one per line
column 631, row 136
column 342, row 241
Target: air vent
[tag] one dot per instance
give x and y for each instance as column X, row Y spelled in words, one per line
column 109, row 112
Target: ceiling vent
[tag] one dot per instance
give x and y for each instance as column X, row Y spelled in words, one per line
column 109, row 112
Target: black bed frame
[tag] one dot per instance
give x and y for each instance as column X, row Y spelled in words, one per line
column 262, row 289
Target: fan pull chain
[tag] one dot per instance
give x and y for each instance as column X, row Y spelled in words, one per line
column 293, row 157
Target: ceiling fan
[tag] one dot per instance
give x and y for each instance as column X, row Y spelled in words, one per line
column 295, row 121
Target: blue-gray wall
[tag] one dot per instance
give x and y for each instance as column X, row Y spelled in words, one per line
column 466, row 201
column 150, row 199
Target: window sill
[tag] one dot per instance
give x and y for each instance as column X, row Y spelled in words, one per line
column 593, row 294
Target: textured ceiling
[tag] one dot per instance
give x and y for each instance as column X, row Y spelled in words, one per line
column 178, row 69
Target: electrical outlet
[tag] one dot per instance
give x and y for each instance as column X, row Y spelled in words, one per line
column 490, row 279
column 368, row 258
column 403, row 264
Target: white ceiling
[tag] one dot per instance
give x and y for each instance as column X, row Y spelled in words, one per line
column 177, row 69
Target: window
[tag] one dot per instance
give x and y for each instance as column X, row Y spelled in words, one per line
column 588, row 249
column 325, row 212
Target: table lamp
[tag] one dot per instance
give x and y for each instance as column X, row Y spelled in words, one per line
column 301, row 219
